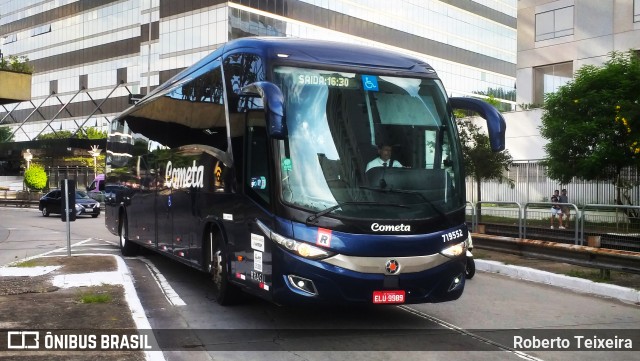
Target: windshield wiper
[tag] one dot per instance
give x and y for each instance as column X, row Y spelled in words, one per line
column 321, row 213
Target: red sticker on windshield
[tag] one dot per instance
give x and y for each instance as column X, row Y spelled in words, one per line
column 324, row 237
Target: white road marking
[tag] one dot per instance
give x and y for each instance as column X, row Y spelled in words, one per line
column 168, row 291
column 26, row 271
column 461, row 331
column 57, row 250
column 89, row 249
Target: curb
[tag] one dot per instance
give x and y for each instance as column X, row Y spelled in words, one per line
column 573, row 283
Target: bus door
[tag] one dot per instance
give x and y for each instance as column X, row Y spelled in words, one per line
column 258, row 186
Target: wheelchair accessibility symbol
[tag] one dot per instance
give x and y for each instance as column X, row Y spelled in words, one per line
column 370, row 83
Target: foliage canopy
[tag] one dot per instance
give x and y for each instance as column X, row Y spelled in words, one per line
column 592, row 123
column 480, row 161
column 35, row 177
column 15, row 63
column 5, row 135
column 89, row 133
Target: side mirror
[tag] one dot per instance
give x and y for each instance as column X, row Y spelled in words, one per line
column 495, row 121
column 273, row 101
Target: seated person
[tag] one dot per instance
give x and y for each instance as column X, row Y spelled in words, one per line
column 384, row 150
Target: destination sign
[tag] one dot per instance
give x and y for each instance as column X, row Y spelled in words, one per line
column 329, row 80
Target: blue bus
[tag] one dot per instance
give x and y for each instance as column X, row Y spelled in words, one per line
column 299, row 171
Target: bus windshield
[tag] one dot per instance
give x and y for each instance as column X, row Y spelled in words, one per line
column 368, row 146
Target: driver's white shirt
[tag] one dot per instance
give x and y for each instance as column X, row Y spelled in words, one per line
column 378, row 162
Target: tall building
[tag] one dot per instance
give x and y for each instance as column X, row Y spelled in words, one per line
column 556, row 38
column 92, row 56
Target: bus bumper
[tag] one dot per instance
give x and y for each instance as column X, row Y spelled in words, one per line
column 302, row 281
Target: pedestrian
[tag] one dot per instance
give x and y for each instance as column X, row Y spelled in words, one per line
column 555, row 209
column 565, row 210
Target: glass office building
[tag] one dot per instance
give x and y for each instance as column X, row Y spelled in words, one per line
column 92, row 56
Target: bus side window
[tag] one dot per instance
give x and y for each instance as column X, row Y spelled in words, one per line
column 258, row 180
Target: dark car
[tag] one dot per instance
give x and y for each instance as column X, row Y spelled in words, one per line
column 51, row 203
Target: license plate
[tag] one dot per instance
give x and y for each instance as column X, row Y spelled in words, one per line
column 389, row 296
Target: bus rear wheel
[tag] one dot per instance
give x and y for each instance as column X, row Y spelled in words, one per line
column 224, row 292
column 127, row 248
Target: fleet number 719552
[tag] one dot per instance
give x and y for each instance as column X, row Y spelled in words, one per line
column 452, row 235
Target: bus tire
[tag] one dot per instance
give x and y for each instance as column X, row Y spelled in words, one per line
column 470, row 269
column 127, row 248
column 224, row 293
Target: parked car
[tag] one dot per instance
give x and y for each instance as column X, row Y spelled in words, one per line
column 51, row 203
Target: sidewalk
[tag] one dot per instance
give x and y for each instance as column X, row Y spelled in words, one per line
column 622, row 286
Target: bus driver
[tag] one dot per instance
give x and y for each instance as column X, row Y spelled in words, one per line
column 384, row 150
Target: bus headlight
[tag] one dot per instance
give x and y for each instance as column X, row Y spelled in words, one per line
column 455, row 250
column 302, row 249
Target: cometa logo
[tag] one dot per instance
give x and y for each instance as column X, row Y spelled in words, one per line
column 184, row 177
column 390, row 227
column 392, row 266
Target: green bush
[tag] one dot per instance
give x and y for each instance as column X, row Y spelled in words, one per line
column 35, row 177
column 15, row 63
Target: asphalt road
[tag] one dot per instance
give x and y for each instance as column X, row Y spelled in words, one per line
column 482, row 324
column 24, row 232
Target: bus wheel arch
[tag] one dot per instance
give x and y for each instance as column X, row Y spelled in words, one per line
column 217, row 266
column 127, row 247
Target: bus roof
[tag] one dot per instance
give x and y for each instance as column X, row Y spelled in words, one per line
column 323, row 54
column 329, row 53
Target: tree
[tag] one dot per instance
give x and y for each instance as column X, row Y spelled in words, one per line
column 89, row 133
column 592, row 123
column 15, row 63
column 495, row 95
column 35, row 177
column 94, row 133
column 61, row 134
column 5, row 135
column 480, row 161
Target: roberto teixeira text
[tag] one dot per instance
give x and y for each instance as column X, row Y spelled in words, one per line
column 574, row 342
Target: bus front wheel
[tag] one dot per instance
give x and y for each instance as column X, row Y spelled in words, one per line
column 470, row 269
column 224, row 292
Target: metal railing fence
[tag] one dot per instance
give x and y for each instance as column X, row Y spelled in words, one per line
column 507, row 216
column 613, row 226
column 540, row 215
column 471, row 218
column 82, row 175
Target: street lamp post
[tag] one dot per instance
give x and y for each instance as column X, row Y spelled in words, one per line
column 27, row 156
column 95, row 153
